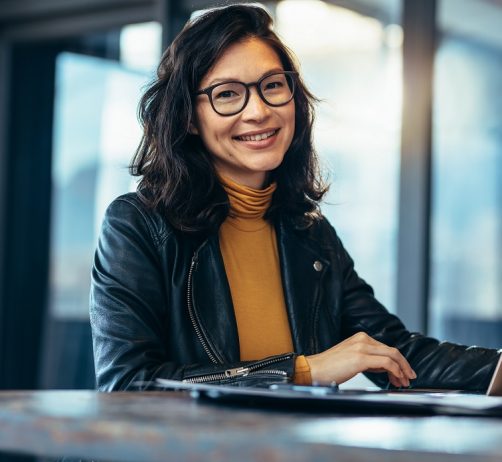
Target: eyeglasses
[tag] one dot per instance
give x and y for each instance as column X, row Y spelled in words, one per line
column 230, row 98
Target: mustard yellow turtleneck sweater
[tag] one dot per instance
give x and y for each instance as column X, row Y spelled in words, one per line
column 249, row 248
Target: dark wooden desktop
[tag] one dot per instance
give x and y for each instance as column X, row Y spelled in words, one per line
column 171, row 426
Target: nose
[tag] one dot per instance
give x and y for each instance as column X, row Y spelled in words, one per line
column 256, row 109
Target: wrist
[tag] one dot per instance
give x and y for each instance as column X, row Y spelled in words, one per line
column 314, row 368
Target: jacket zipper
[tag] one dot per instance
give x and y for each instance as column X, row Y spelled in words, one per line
column 200, row 336
column 244, row 371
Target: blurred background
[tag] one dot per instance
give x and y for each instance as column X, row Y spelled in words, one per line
column 409, row 131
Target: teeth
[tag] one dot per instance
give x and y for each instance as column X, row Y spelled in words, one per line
column 261, row 136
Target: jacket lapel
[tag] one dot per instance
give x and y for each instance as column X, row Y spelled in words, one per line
column 302, row 268
column 212, row 301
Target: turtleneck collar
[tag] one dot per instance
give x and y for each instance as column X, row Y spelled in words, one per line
column 247, row 205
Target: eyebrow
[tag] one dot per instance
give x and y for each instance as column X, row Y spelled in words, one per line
column 235, row 79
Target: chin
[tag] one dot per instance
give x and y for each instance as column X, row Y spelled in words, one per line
column 270, row 164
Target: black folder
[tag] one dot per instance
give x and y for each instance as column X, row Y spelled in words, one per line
column 326, row 399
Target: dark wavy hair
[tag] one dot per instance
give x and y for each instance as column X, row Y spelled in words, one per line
column 177, row 173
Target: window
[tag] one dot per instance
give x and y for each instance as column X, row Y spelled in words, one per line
column 96, row 132
column 353, row 63
column 466, row 260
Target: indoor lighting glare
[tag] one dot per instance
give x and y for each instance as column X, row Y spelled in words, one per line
column 377, row 432
column 313, row 26
column 140, row 45
column 394, row 36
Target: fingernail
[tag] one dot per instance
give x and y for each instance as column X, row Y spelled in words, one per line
column 414, row 374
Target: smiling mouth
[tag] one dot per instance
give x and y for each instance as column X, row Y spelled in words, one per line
column 258, row 137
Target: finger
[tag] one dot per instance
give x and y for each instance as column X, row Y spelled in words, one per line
column 396, row 375
column 361, row 340
column 396, row 383
column 393, row 380
column 379, row 349
column 396, row 355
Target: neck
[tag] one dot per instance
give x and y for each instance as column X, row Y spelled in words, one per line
column 257, row 180
column 246, row 203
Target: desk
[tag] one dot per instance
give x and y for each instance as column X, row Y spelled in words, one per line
column 170, row 426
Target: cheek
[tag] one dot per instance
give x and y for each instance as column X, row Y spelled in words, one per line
column 291, row 121
column 211, row 127
column 290, row 116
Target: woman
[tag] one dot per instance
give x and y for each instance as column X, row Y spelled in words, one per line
column 220, row 268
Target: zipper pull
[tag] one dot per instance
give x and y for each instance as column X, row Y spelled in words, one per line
column 237, row 372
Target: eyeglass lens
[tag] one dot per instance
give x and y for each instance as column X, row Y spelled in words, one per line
column 230, row 98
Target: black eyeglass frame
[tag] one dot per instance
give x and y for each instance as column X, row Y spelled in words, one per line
column 209, row 91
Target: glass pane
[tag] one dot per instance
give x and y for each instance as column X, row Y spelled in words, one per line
column 96, row 132
column 352, row 61
column 466, row 278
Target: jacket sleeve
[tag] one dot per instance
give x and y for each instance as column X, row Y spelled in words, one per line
column 437, row 364
column 128, row 310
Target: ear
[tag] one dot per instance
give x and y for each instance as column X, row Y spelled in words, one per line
column 192, row 129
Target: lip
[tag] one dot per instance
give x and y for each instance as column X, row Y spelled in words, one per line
column 257, row 132
column 262, row 144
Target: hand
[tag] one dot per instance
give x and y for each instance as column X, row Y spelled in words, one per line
column 360, row 353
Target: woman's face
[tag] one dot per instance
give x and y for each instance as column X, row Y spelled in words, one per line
column 235, row 142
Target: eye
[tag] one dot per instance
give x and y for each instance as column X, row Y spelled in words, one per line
column 225, row 94
column 228, row 92
column 273, row 85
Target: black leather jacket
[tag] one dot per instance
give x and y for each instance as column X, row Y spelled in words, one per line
column 161, row 307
